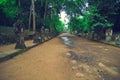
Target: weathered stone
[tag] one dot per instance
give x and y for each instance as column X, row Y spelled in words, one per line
column 18, row 29
column 117, row 40
column 20, row 42
column 42, row 34
column 47, row 34
column 109, row 34
column 79, row 75
column 95, row 36
column 85, row 68
column 74, row 68
column 90, row 34
column 68, row 54
column 37, row 38
column 108, row 69
column 73, row 61
column 106, row 49
column 75, row 32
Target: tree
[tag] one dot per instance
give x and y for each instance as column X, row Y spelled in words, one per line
column 32, row 16
column 92, row 11
column 107, row 12
column 8, row 10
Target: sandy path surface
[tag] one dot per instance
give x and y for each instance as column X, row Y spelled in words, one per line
column 76, row 59
column 44, row 62
column 8, row 49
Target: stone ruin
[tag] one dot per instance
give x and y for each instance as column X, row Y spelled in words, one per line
column 108, row 34
column 18, row 30
column 117, row 40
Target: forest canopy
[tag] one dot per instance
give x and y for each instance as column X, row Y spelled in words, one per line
column 84, row 15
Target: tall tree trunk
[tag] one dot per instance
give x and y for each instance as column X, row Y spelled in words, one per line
column 51, row 16
column 33, row 14
column 46, row 4
column 30, row 17
column 18, row 3
column 41, row 2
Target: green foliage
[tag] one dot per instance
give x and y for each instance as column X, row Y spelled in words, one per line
column 92, row 18
column 8, row 10
column 57, row 24
column 3, row 2
column 60, row 26
column 79, row 24
column 98, row 20
column 96, row 13
column 9, row 7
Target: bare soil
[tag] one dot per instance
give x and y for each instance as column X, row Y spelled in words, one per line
column 8, row 49
column 65, row 57
column 44, row 62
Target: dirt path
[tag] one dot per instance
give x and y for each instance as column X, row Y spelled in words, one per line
column 78, row 59
column 91, row 60
column 44, row 62
column 8, row 49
